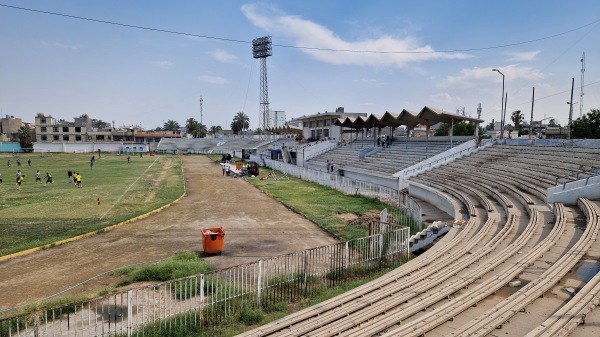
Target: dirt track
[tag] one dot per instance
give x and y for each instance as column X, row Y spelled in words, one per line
column 255, row 226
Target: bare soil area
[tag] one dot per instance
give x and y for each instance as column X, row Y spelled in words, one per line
column 255, row 226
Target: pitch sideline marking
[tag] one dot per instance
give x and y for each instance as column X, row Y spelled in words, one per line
column 127, row 190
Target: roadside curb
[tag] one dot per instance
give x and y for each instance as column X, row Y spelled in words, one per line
column 82, row 236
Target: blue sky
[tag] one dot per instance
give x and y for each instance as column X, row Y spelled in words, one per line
column 436, row 53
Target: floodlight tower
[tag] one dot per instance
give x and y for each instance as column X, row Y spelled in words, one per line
column 261, row 49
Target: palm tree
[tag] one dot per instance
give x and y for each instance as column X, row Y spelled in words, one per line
column 202, row 131
column 215, row 128
column 240, row 122
column 517, row 118
column 171, row 125
column 191, row 125
column 24, row 135
column 195, row 128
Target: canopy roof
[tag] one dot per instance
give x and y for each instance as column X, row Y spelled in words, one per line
column 286, row 129
column 427, row 116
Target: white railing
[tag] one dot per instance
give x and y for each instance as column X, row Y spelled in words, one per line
column 203, row 300
column 395, row 197
column 316, row 149
column 439, row 159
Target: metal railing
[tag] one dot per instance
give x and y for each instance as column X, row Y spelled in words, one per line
column 439, row 159
column 205, row 300
column 592, row 171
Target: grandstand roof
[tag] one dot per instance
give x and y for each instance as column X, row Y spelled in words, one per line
column 427, row 116
column 330, row 114
column 286, row 129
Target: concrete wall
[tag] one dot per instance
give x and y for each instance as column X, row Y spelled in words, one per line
column 594, row 143
column 436, row 198
column 10, row 147
column 570, row 192
column 88, row 147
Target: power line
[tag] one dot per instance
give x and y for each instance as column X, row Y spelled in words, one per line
column 542, row 98
column 297, row 47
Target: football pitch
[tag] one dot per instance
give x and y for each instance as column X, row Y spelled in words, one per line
column 113, row 190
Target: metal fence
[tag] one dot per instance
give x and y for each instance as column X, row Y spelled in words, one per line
column 203, row 301
column 399, row 198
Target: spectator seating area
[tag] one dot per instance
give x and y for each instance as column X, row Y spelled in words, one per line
column 209, row 145
column 397, row 156
column 503, row 272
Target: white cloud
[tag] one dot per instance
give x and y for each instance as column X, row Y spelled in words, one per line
column 444, row 98
column 59, row 45
column 223, row 56
column 525, row 56
column 212, row 79
column 384, row 49
column 162, row 64
column 469, row 78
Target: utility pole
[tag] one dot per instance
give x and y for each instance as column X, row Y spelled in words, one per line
column 571, row 109
column 582, row 85
column 531, row 119
column 504, row 114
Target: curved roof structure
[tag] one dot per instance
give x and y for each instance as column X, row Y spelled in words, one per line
column 427, row 116
column 286, row 129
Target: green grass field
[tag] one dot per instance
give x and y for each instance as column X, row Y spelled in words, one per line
column 40, row 214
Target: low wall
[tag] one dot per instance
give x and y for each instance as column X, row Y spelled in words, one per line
column 10, row 147
column 89, row 147
column 569, row 193
column 594, row 143
column 387, row 181
column 436, row 198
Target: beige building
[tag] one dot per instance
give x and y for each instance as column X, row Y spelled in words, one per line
column 9, row 127
column 49, row 129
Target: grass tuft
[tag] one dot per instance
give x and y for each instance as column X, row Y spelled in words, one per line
column 182, row 265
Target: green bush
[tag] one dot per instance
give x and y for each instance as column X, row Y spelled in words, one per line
column 250, row 316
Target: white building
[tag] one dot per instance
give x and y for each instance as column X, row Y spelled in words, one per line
column 275, row 119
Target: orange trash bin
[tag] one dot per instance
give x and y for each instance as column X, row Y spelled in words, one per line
column 214, row 240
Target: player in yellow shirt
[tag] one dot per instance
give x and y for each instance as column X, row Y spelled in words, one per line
column 79, row 179
column 19, row 181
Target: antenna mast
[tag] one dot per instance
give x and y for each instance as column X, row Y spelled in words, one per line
column 582, row 84
column 201, row 100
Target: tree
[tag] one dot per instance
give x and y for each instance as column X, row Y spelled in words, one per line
column 24, row 135
column 100, row 124
column 171, row 125
column 587, row 126
column 240, row 123
column 490, row 127
column 517, row 118
column 195, row 128
column 552, row 123
column 460, row 129
column 215, row 128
